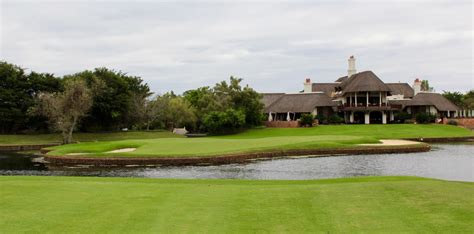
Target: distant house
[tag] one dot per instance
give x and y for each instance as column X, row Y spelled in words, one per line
column 359, row 97
column 290, row 106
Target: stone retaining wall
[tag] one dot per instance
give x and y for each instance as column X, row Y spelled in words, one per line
column 234, row 158
column 442, row 139
column 26, row 147
column 465, row 122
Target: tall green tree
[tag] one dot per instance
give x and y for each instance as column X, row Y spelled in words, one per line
column 224, row 96
column 17, row 91
column 113, row 104
column 14, row 97
column 456, row 98
column 175, row 112
column 425, row 86
column 244, row 99
column 468, row 100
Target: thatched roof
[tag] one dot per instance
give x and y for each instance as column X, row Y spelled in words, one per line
column 401, row 88
column 341, row 79
column 327, row 88
column 270, row 98
column 365, row 81
column 432, row 99
column 400, row 102
column 301, row 102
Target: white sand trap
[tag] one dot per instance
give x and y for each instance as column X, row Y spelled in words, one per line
column 124, row 150
column 73, row 154
column 393, row 142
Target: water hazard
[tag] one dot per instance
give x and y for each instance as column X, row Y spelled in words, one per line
column 445, row 161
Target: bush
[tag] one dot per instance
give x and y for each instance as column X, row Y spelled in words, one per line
column 220, row 122
column 321, row 119
column 422, row 118
column 452, row 122
column 403, row 116
column 307, row 120
column 335, row 119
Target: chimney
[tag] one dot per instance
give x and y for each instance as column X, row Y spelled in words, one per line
column 417, row 86
column 308, row 86
column 352, row 66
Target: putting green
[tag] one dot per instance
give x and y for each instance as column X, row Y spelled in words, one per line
column 209, row 146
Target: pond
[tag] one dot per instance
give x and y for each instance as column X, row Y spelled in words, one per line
column 445, row 161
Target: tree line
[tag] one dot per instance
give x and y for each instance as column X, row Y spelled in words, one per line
column 462, row 100
column 106, row 100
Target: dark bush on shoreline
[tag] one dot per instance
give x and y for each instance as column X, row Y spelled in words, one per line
column 224, row 122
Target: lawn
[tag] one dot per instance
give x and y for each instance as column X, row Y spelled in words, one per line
column 25, row 139
column 126, row 205
column 379, row 131
column 262, row 139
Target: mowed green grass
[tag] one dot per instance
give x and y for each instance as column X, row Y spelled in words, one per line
column 208, row 146
column 126, row 205
column 379, row 131
column 26, row 139
column 262, row 139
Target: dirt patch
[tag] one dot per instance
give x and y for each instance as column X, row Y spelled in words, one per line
column 124, row 150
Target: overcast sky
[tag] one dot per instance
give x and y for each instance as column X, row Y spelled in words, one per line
column 182, row 45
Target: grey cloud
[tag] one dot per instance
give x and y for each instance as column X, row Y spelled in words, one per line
column 273, row 46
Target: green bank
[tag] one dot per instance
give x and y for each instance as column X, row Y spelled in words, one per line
column 125, row 205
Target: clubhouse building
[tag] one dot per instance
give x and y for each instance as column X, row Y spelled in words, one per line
column 359, row 97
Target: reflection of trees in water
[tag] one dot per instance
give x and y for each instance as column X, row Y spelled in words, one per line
column 19, row 161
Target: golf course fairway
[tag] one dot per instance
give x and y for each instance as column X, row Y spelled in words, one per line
column 133, row 205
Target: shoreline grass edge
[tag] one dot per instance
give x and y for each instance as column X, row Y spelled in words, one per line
column 232, row 158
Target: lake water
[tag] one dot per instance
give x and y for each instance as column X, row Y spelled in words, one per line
column 445, row 161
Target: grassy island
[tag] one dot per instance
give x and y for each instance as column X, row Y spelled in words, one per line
column 126, row 205
column 257, row 140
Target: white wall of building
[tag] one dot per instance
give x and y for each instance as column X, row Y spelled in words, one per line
column 396, row 97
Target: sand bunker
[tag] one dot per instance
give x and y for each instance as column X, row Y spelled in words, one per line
column 73, row 154
column 393, row 142
column 124, row 150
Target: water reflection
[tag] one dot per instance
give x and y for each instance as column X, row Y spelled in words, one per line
column 450, row 162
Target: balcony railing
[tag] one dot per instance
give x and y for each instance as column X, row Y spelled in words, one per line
column 371, row 106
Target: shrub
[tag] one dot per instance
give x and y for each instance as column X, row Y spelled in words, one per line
column 321, row 119
column 422, row 118
column 403, row 116
column 335, row 119
column 219, row 122
column 307, row 120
